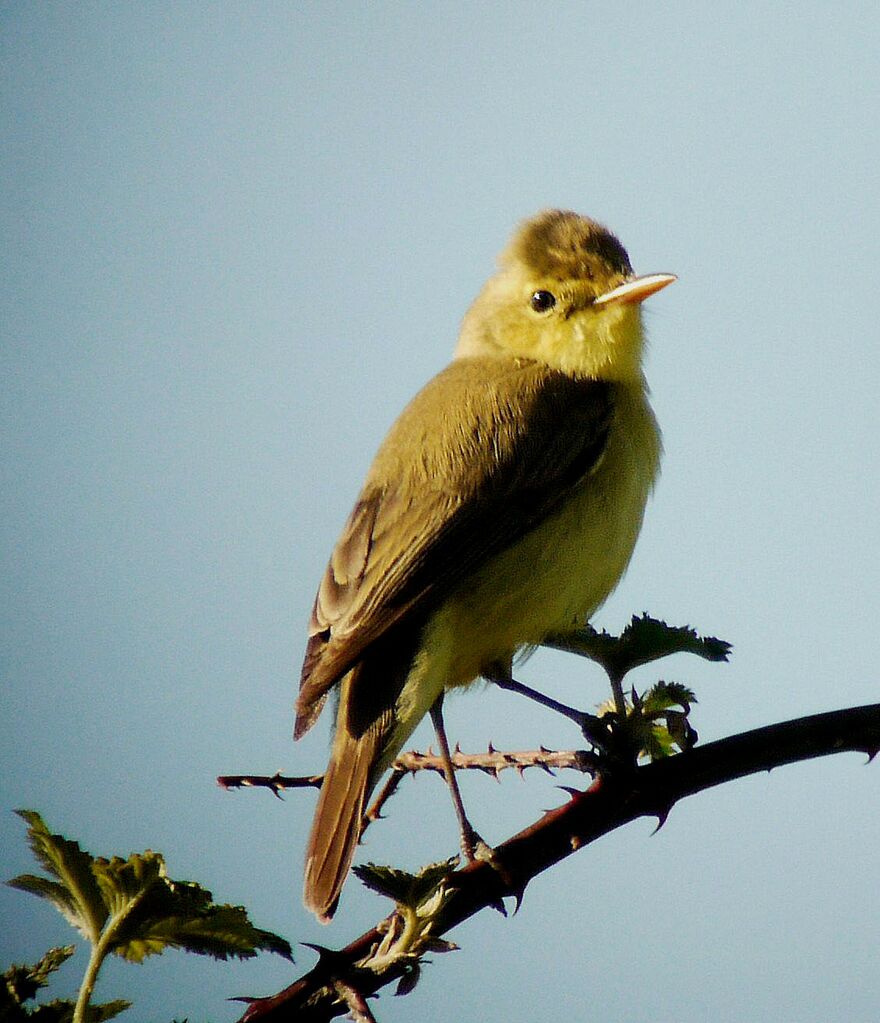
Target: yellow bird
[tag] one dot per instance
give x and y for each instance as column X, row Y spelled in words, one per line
column 503, row 506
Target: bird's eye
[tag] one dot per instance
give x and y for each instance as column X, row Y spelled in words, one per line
column 542, row 301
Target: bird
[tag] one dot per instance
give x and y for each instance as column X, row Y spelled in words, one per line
column 502, row 507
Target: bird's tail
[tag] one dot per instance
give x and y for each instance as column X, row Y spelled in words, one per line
column 369, row 734
column 336, row 828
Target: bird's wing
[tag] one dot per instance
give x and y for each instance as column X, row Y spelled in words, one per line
column 437, row 506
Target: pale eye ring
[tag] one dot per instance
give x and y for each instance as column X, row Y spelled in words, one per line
column 542, row 301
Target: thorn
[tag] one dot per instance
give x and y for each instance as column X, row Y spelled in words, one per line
column 544, row 749
column 499, row 906
column 490, row 748
column 571, row 791
column 327, row 957
column 871, row 753
column 662, row 817
column 457, row 748
column 518, row 898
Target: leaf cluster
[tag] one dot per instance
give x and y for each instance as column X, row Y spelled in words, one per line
column 133, row 907
column 411, row 931
column 22, row 983
column 129, row 908
column 657, row 723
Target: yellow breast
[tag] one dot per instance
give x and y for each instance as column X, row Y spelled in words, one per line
column 558, row 574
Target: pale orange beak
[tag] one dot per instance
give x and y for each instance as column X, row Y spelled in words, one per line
column 636, row 289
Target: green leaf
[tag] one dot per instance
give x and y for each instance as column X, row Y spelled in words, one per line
column 404, row 888
column 384, row 880
column 665, row 695
column 106, row 1010
column 654, row 728
column 126, row 883
column 218, row 931
column 408, row 933
column 129, row 908
column 76, row 893
column 151, row 913
column 645, row 639
column 24, row 981
column 133, row 907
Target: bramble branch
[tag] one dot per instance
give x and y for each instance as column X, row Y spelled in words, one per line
column 492, row 762
column 609, row 803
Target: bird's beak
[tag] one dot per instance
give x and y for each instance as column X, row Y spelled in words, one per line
column 636, row 289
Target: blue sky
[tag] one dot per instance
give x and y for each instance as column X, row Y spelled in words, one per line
column 237, row 238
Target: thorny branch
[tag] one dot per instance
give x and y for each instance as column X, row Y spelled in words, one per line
column 609, row 803
column 491, row 762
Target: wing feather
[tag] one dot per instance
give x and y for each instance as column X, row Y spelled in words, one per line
column 437, row 505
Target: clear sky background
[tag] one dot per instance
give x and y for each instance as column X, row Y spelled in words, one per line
column 236, row 239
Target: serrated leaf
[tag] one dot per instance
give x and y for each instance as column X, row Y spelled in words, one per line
column 176, row 914
column 76, row 895
column 403, row 887
column 11, row 1011
column 430, row 878
column 129, row 908
column 384, row 880
column 23, row 981
column 665, row 695
column 654, row 727
column 124, row 883
column 142, row 911
column 645, row 639
column 106, row 1010
column 218, row 931
column 420, row 899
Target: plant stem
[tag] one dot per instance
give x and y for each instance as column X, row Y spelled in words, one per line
column 100, row 948
column 99, row 951
column 616, row 680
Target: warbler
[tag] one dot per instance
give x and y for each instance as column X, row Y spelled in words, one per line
column 502, row 507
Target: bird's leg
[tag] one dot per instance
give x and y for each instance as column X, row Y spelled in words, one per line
column 589, row 724
column 471, row 843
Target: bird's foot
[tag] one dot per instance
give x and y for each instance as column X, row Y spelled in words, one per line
column 473, row 847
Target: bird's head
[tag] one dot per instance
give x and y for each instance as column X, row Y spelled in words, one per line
column 564, row 295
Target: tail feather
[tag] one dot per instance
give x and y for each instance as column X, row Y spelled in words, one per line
column 368, row 734
column 336, row 828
